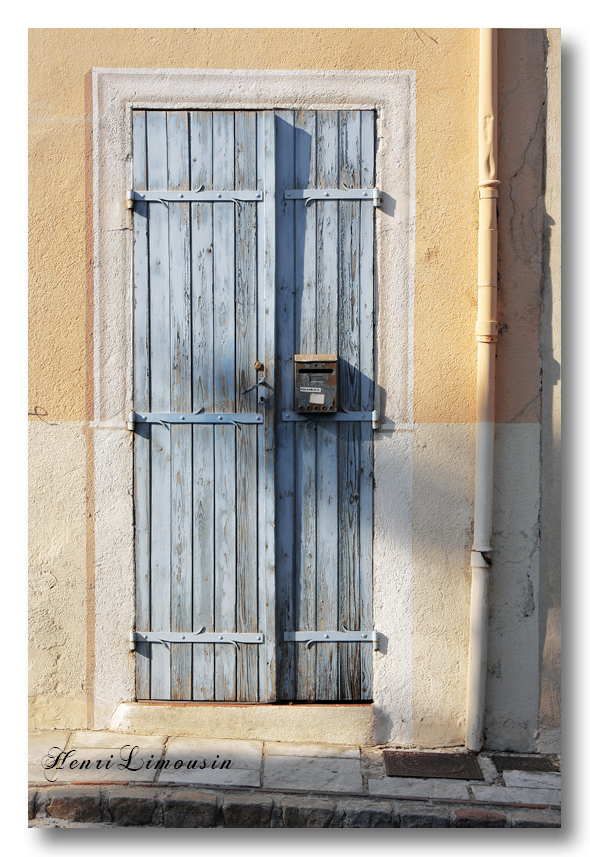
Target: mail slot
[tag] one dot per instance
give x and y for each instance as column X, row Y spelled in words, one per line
column 316, row 383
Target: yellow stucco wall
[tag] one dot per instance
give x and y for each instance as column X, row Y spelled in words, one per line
column 446, row 64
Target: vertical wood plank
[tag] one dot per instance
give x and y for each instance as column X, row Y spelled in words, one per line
column 367, row 370
column 305, row 278
column 180, row 402
column 201, row 149
column 285, row 397
column 225, row 448
column 141, row 393
column 160, row 400
column 246, row 376
column 327, row 433
column 349, row 365
column 260, row 440
column 269, row 323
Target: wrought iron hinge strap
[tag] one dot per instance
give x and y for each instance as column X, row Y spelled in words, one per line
column 167, row 637
column 207, row 419
column 311, row 637
column 338, row 417
column 329, row 194
column 194, row 196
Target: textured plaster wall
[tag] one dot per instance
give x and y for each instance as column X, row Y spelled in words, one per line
column 428, row 627
column 550, row 559
column 57, row 574
column 443, row 488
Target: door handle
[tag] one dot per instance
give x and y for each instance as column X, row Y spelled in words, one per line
column 261, row 383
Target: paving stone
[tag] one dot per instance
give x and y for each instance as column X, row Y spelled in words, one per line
column 479, row 818
column 241, row 754
column 370, row 814
column 372, row 764
column 422, row 815
column 90, row 766
column 40, row 744
column 488, row 769
column 320, row 775
column 80, row 804
column 316, row 751
column 132, row 807
column 220, row 777
column 409, row 787
column 189, row 809
column 32, row 796
column 116, row 740
column 530, row 797
column 247, row 811
column 535, row 818
column 532, row 779
column 307, row 812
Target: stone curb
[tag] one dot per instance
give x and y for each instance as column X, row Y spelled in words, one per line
column 157, row 806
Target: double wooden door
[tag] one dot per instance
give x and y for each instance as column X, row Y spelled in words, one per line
column 251, row 524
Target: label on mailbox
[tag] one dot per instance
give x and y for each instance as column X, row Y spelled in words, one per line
column 311, row 389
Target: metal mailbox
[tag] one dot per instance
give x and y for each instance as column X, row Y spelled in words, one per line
column 316, row 383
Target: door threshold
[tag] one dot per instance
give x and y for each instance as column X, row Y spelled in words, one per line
column 339, row 724
column 235, row 704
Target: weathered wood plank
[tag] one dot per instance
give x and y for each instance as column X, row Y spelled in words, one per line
column 160, row 400
column 349, row 489
column 268, row 685
column 201, row 148
column 225, row 401
column 367, row 299
column 285, row 396
column 141, row 392
column 246, row 376
column 305, row 280
column 261, row 553
column 181, row 402
column 327, row 434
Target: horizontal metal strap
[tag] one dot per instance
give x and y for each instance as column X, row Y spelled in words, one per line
column 338, row 417
column 328, row 194
column 311, row 637
column 211, row 419
column 195, row 195
column 167, row 637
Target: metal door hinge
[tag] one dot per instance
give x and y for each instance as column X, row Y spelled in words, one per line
column 338, row 417
column 207, row 419
column 329, row 194
column 167, row 637
column 164, row 196
column 311, row 637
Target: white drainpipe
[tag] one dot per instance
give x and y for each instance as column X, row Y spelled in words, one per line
column 486, row 335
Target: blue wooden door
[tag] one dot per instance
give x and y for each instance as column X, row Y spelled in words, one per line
column 227, row 289
column 324, row 477
column 204, row 447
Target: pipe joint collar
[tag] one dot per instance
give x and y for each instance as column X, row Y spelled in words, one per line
column 486, row 331
column 488, row 192
column 481, row 558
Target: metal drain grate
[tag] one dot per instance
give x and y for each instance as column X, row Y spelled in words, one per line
column 449, row 766
column 524, row 763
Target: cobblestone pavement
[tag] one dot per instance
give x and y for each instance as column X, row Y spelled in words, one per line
column 112, row 779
